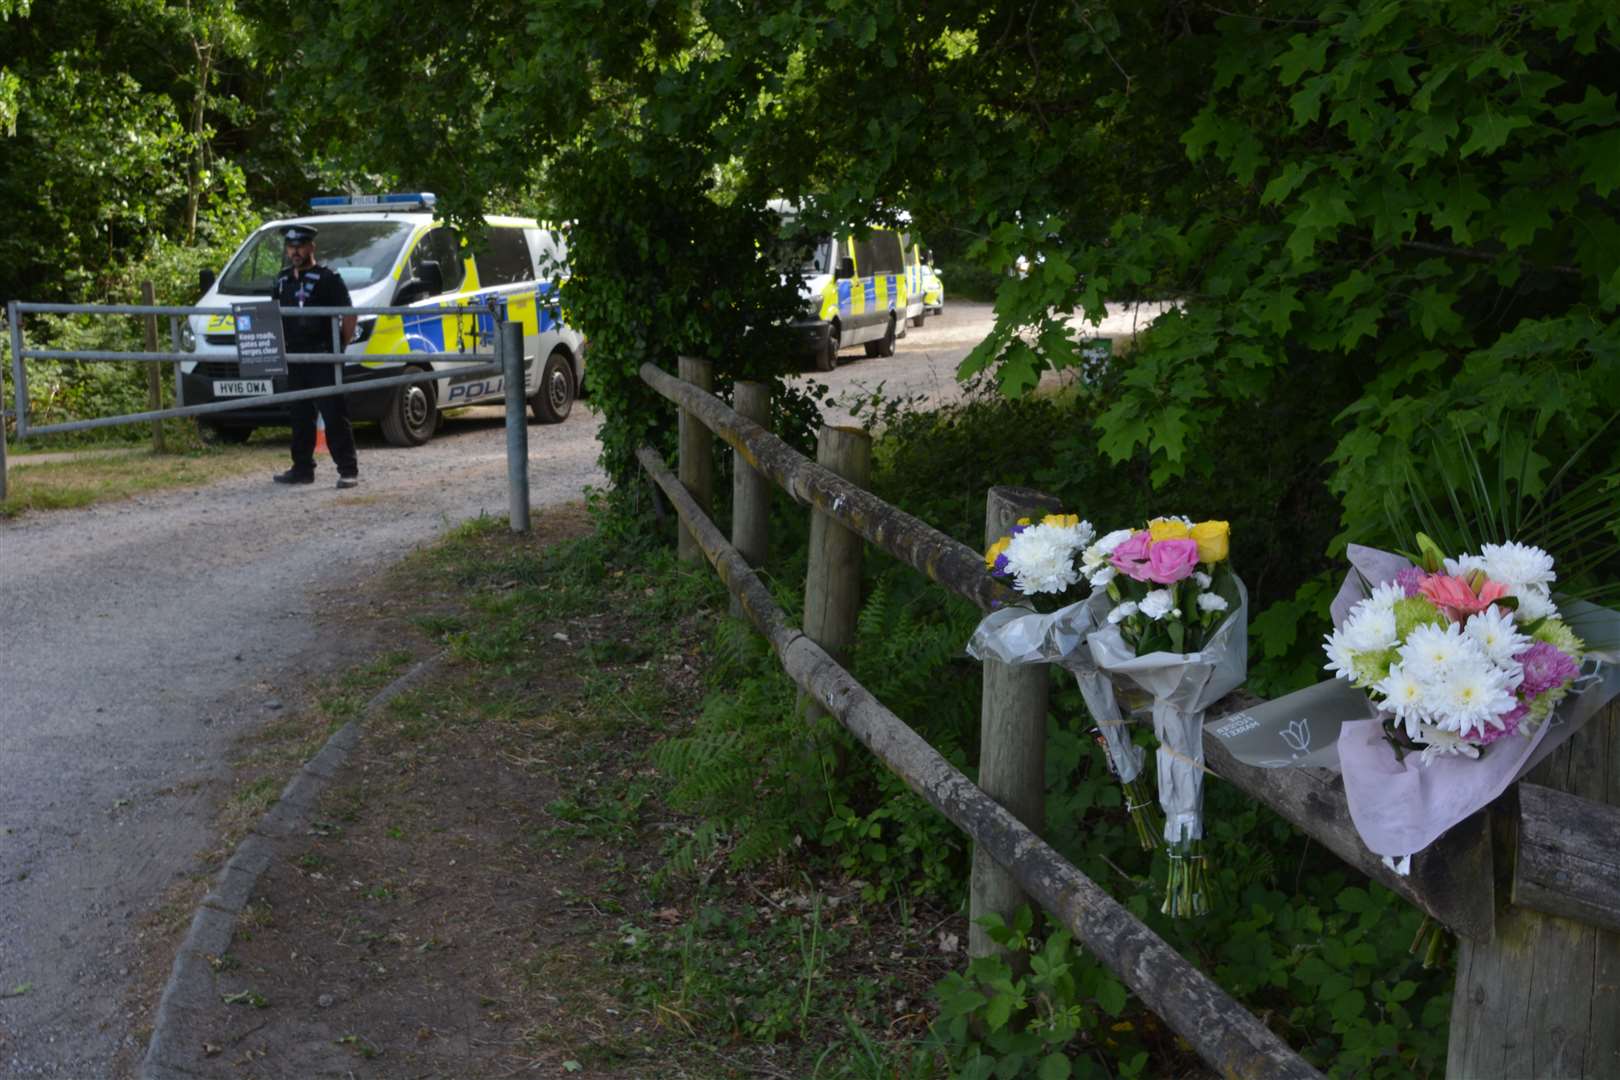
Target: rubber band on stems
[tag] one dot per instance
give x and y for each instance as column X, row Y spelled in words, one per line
column 1139, row 803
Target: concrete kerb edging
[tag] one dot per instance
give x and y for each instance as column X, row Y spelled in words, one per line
column 190, row 988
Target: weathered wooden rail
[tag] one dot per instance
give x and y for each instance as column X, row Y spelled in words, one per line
column 1536, row 877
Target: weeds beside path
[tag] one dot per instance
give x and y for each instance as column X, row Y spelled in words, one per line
column 485, row 891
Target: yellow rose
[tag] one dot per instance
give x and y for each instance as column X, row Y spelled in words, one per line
column 1062, row 521
column 1166, row 529
column 995, row 552
column 1214, row 540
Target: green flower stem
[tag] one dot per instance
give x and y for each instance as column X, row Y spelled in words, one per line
column 1187, row 889
column 1143, row 808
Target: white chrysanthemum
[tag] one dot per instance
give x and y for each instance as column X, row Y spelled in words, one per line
column 1441, row 743
column 1470, row 698
column 1404, row 695
column 1077, row 536
column 1429, row 650
column 1203, row 579
column 1102, row 576
column 1517, row 564
column 1212, row 602
column 1493, row 631
column 1535, row 602
column 1463, row 565
column 1158, row 603
column 1370, row 628
column 1340, row 660
column 1041, row 560
column 1122, row 612
column 1383, row 597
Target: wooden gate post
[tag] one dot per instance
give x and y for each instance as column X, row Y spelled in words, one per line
column 696, row 467
column 154, row 378
column 832, row 587
column 1542, row 997
column 750, row 489
column 1012, row 738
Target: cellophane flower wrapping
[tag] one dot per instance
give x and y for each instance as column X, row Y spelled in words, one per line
column 1183, row 686
column 1155, row 589
column 1465, row 684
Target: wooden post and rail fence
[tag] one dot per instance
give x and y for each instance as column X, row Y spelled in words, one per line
column 1531, row 885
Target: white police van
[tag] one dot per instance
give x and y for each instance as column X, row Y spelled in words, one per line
column 392, row 252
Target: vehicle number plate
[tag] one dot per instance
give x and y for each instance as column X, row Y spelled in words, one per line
column 241, row 387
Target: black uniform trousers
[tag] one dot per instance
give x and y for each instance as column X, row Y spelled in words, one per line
column 334, row 410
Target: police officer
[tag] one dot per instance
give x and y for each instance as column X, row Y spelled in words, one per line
column 304, row 283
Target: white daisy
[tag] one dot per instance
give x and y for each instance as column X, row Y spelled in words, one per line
column 1340, row 660
column 1383, row 597
column 1429, row 650
column 1370, row 628
column 1471, row 698
column 1493, row 631
column 1158, row 603
column 1404, row 695
column 1441, row 743
column 1535, row 602
column 1098, row 553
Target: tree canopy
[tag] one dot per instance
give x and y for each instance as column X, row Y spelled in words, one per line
column 1378, row 220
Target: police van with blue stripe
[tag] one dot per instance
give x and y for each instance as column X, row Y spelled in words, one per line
column 391, row 251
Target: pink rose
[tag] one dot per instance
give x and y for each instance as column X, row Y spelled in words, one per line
column 1171, row 560
column 1131, row 557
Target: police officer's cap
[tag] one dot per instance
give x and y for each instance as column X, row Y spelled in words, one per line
column 298, row 234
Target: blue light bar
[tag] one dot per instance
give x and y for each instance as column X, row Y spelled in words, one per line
column 401, row 200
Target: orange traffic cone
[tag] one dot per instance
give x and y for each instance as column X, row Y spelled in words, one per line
column 320, row 435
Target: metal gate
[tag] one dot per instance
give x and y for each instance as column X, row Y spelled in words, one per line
column 506, row 359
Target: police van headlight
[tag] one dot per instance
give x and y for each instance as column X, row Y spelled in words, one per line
column 188, row 337
column 363, row 329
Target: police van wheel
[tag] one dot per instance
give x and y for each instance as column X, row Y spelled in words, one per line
column 885, row 345
column 412, row 415
column 827, row 357
column 229, row 436
column 917, row 320
column 555, row 397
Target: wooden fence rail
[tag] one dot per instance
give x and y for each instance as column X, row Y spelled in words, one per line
column 1531, row 885
column 1223, row 1032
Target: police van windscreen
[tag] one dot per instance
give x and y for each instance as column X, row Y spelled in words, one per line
column 363, row 252
column 816, row 257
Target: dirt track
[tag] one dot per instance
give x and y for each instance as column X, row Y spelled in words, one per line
column 139, row 640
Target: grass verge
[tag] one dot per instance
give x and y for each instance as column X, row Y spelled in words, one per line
column 37, row 482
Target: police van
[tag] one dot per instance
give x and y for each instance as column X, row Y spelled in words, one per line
column 854, row 291
column 391, row 251
column 925, row 292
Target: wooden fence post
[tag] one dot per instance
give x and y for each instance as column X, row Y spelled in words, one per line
column 696, row 468
column 1012, row 739
column 750, row 489
column 154, row 378
column 1542, row 996
column 832, row 587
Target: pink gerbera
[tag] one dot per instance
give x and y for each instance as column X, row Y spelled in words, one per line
column 1458, row 597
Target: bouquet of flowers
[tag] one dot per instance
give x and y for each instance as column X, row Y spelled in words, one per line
column 1474, row 672
column 1459, row 653
column 1165, row 617
column 1176, row 626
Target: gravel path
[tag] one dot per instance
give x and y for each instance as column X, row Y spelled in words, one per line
column 139, row 640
